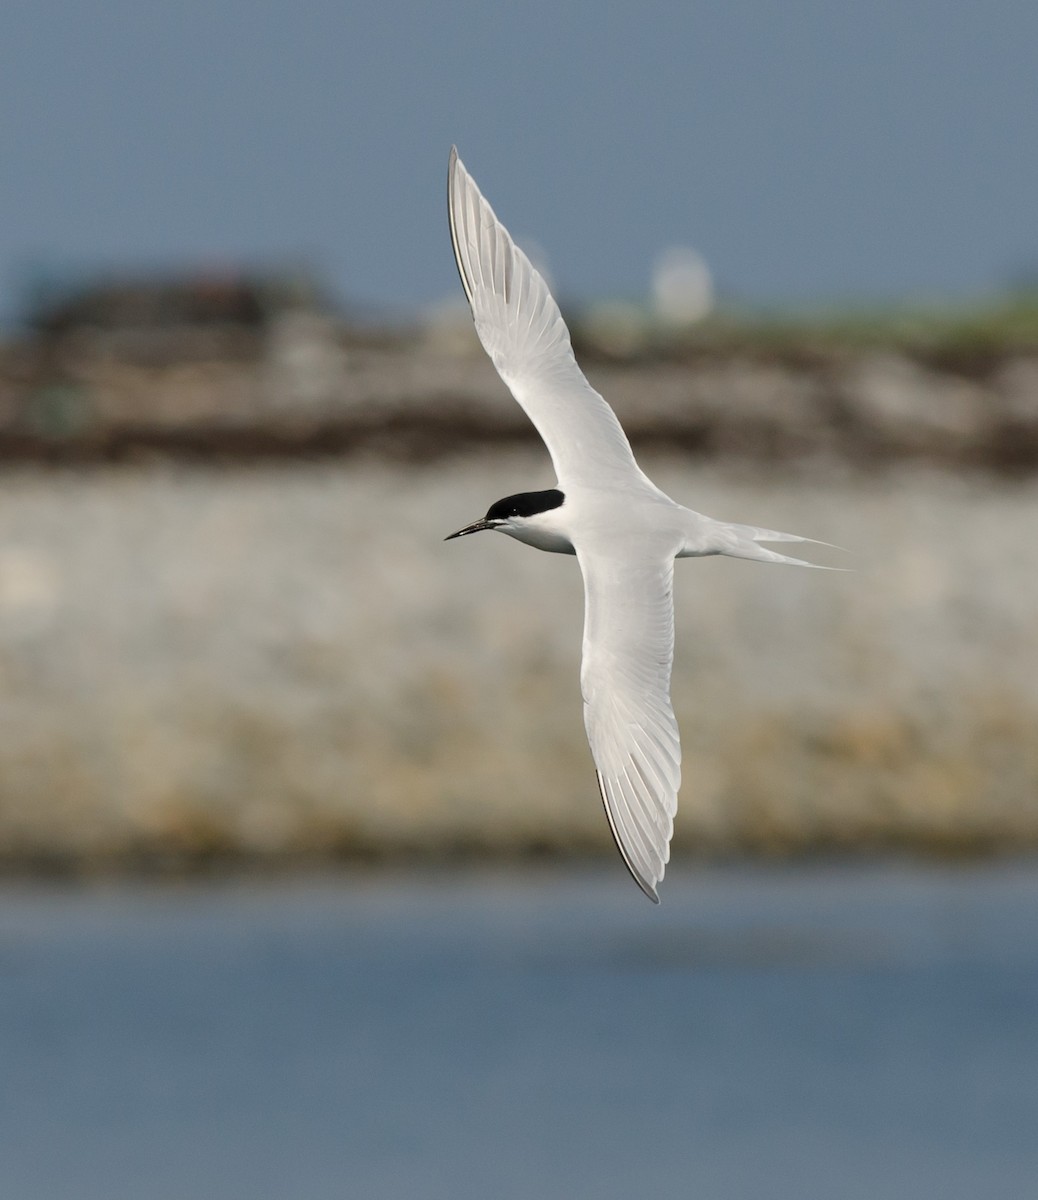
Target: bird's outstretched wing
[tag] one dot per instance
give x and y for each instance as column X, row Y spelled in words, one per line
column 522, row 330
column 625, row 679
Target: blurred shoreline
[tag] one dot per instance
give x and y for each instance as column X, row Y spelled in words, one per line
column 954, row 391
column 231, row 636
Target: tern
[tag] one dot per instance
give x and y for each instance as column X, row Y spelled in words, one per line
column 624, row 531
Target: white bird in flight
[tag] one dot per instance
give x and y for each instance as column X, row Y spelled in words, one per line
column 624, row 531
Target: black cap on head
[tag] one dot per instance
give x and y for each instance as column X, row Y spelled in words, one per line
column 525, row 504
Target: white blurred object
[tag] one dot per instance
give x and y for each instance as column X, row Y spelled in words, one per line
column 303, row 358
column 682, row 286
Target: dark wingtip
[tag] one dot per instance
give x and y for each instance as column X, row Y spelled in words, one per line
column 646, row 887
column 452, row 167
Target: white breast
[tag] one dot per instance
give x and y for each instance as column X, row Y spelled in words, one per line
column 541, row 535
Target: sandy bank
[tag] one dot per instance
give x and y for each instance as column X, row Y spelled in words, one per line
column 281, row 661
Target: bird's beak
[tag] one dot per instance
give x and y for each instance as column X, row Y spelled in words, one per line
column 475, row 527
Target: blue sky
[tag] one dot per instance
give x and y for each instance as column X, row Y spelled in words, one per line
column 812, row 151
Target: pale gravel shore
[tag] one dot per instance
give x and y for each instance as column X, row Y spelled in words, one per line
column 284, row 660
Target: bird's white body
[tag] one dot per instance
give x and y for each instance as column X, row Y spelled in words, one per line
column 650, row 523
column 625, row 532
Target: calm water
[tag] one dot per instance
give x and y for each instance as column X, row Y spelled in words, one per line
column 815, row 1034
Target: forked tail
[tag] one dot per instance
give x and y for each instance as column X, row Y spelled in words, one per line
column 742, row 541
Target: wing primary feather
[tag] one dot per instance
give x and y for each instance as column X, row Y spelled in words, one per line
column 477, row 217
column 652, row 776
column 636, row 875
column 636, row 806
column 651, row 783
column 453, row 222
column 624, row 794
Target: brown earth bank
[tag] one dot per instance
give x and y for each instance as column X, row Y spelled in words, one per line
column 305, row 388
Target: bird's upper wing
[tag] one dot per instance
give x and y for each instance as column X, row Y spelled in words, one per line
column 522, row 330
column 625, row 679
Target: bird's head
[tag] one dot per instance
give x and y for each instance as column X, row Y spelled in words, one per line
column 531, row 517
